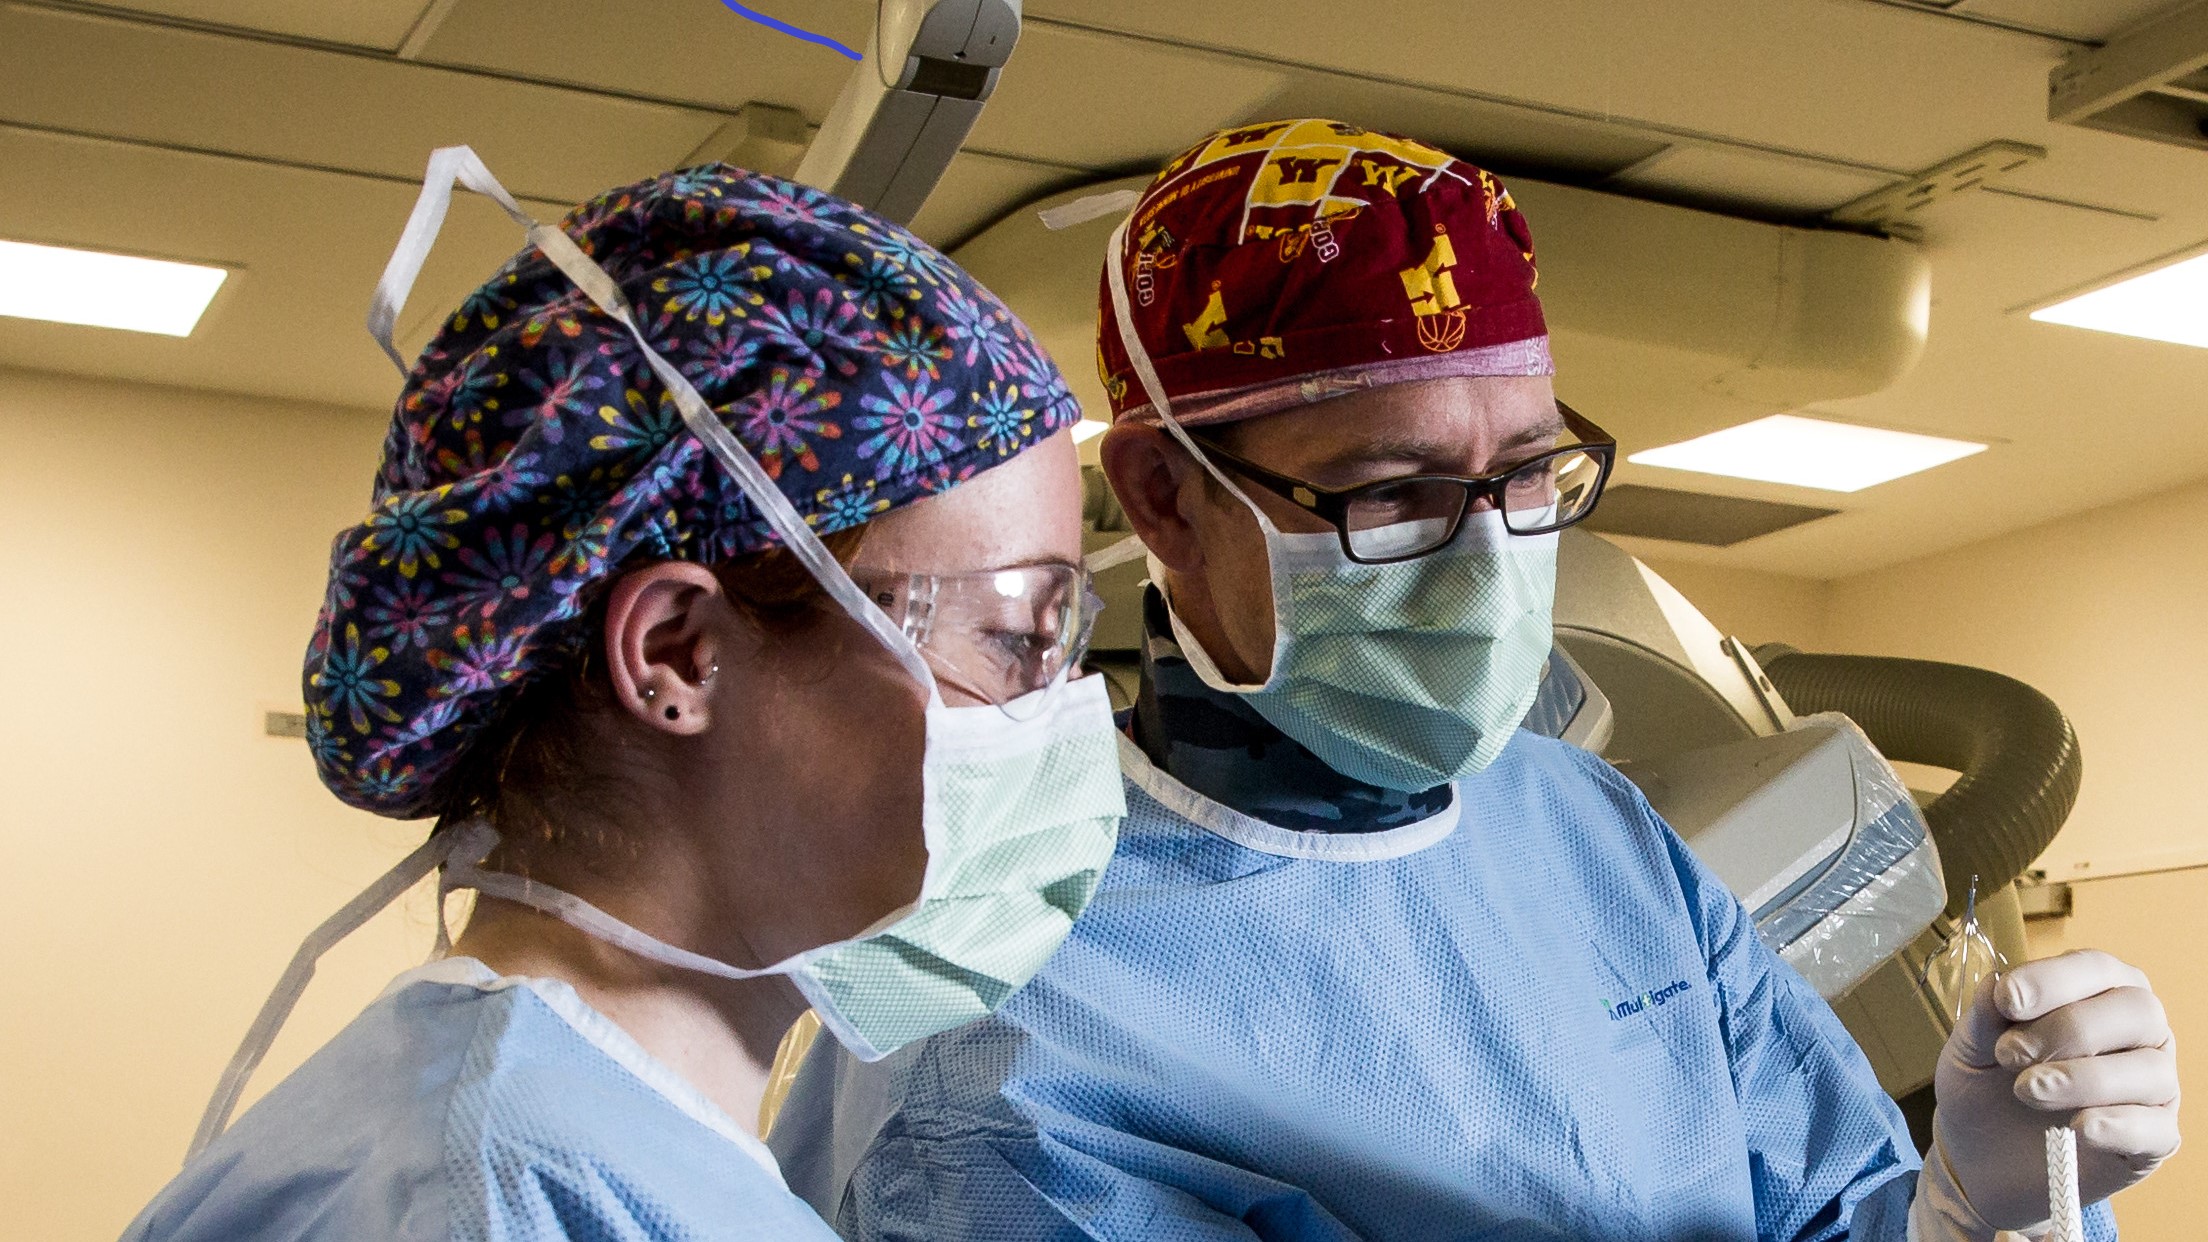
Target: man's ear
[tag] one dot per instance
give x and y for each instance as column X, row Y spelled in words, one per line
column 1157, row 484
column 661, row 644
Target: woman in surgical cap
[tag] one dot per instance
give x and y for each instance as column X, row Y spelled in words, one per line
column 720, row 599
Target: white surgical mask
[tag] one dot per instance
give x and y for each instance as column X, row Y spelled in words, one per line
column 1020, row 806
column 1407, row 675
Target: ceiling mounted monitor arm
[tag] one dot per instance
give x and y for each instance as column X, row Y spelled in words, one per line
column 930, row 66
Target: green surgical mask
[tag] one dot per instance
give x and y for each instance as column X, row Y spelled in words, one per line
column 1020, row 817
column 1409, row 675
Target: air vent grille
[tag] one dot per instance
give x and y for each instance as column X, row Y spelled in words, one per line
column 1694, row 517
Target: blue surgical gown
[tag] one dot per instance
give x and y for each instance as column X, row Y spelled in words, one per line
column 1532, row 1016
column 464, row 1105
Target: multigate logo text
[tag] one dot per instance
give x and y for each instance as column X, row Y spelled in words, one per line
column 1627, row 1008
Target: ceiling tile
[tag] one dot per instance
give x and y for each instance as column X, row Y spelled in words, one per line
column 1160, row 99
column 327, row 109
column 368, row 23
column 1694, row 517
column 1856, row 81
column 691, row 50
column 307, row 247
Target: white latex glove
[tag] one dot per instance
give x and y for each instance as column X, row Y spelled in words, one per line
column 2077, row 1040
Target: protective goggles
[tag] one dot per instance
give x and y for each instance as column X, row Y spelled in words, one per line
column 998, row 635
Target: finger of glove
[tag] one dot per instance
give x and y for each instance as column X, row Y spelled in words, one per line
column 2142, row 1076
column 2113, row 1021
column 1981, row 1028
column 2137, row 1136
column 2036, row 989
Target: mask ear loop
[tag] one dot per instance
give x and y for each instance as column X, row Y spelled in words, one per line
column 1115, row 260
column 450, row 164
column 1112, row 556
column 1116, row 257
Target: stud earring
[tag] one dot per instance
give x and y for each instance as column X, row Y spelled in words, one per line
column 712, row 671
column 648, row 694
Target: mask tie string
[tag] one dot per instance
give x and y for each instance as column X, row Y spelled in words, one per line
column 371, row 901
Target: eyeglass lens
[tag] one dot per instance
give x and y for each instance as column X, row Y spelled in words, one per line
column 1411, row 517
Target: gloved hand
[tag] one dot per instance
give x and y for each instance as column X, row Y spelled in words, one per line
column 2077, row 1040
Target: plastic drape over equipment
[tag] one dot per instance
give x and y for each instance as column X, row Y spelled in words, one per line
column 2017, row 753
column 1817, row 834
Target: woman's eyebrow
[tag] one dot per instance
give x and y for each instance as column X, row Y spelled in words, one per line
column 1042, row 562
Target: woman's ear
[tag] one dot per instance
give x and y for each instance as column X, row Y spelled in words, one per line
column 1157, row 483
column 662, row 637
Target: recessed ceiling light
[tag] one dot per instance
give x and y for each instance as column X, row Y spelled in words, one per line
column 1088, row 429
column 1808, row 452
column 101, row 290
column 2167, row 304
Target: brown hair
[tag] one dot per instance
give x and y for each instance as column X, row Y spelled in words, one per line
column 535, row 755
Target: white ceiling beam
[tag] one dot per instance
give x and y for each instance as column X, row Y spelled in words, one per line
column 425, row 28
column 2122, row 87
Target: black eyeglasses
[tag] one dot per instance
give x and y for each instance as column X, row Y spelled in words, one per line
column 1402, row 519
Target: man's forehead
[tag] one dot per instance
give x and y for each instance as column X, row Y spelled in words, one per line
column 1412, row 421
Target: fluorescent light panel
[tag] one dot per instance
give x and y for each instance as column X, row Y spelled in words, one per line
column 102, row 290
column 2167, row 304
column 1088, row 429
column 1808, row 452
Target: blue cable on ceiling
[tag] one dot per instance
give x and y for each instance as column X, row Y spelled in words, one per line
column 790, row 30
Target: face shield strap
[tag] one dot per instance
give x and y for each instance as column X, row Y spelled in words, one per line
column 448, row 165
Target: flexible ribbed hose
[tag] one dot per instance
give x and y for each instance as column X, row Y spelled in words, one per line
column 2016, row 751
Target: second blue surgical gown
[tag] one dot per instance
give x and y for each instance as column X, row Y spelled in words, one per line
column 1533, row 1015
column 465, row 1106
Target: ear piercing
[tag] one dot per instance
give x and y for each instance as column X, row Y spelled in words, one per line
column 650, row 693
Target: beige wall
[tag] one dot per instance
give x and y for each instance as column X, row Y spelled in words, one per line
column 2108, row 614
column 162, row 554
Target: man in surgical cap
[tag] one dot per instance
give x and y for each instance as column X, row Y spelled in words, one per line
column 1354, row 971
